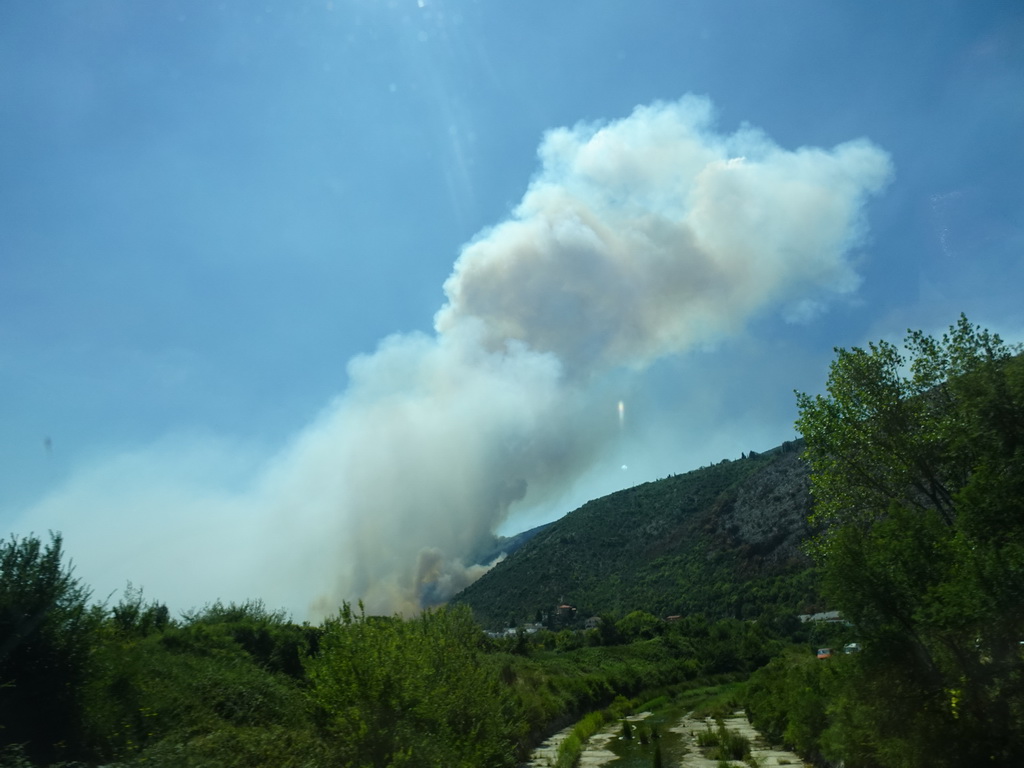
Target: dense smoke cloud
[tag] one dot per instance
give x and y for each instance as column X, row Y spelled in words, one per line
column 423, row 456
column 642, row 237
column 637, row 239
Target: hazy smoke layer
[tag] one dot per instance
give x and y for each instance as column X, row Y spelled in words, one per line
column 636, row 239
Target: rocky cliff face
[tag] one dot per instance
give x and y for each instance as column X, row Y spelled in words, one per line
column 767, row 519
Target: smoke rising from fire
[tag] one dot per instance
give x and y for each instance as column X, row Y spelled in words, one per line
column 637, row 239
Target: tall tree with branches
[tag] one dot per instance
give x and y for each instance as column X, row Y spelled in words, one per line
column 917, row 459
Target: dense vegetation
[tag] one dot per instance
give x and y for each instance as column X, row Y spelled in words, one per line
column 918, row 485
column 238, row 685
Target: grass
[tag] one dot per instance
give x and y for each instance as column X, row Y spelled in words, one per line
column 653, row 704
column 571, row 748
column 724, row 744
column 720, row 701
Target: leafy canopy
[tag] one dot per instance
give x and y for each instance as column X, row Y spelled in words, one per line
column 44, row 646
column 910, row 428
column 917, row 462
column 413, row 692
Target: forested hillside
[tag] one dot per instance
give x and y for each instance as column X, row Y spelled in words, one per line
column 721, row 541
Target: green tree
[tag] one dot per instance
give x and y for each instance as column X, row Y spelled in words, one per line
column 917, row 465
column 45, row 634
column 787, row 699
column 911, row 430
column 639, row 625
column 269, row 636
column 606, row 633
column 134, row 617
column 193, row 695
column 413, row 692
column 568, row 640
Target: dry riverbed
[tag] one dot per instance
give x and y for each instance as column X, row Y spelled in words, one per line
column 763, row 754
column 596, row 752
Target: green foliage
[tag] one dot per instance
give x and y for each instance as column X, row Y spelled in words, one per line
column 787, row 699
column 655, row 703
column 727, row 645
column 240, row 685
column 273, row 746
column 567, row 640
column 191, row 694
column 210, row 690
column 13, row 756
column 718, row 703
column 267, row 636
column 414, row 692
column 569, row 751
column 911, row 430
column 639, row 625
column 918, row 483
column 720, row 541
column 607, row 631
column 723, row 744
column 550, row 686
column 45, row 627
column 133, row 616
column 707, row 738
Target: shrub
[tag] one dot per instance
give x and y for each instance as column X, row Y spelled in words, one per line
column 724, row 744
column 397, row 692
column 46, row 631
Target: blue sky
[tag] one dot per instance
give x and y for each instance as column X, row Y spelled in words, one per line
column 212, row 215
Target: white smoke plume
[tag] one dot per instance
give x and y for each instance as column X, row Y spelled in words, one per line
column 417, row 463
column 642, row 237
column 637, row 239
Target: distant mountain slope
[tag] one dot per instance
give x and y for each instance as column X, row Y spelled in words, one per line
column 722, row 540
column 507, row 545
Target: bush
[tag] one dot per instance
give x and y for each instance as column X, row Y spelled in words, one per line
column 571, row 748
column 724, row 744
column 414, row 692
column 46, row 631
column 150, row 698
